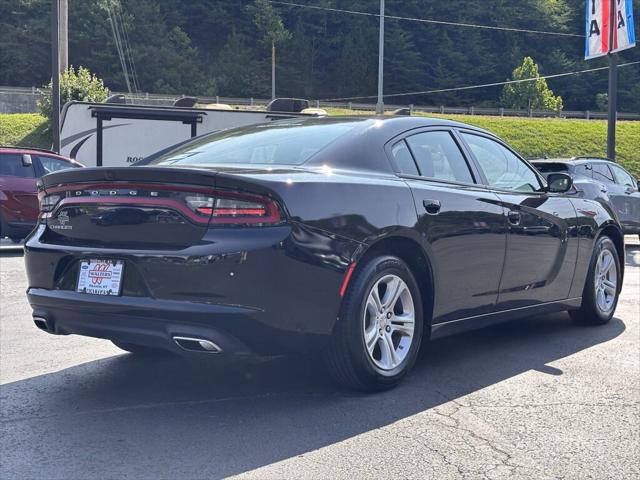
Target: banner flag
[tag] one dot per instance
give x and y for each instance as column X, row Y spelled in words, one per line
column 624, row 35
column 598, row 25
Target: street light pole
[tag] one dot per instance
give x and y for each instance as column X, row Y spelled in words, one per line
column 612, row 95
column 55, row 74
column 273, row 70
column 64, row 35
column 380, row 104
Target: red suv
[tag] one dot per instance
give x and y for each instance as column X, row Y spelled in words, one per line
column 20, row 169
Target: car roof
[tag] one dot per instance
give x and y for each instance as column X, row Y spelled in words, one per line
column 35, row 151
column 407, row 122
column 18, row 149
column 572, row 160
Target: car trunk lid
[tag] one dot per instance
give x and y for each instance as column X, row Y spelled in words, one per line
column 126, row 207
column 149, row 207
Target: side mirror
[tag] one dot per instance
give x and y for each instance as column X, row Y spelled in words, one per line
column 26, row 160
column 559, row 183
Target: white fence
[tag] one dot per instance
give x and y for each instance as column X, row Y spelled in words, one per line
column 24, row 100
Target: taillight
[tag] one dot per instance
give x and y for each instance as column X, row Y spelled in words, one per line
column 235, row 208
column 48, row 203
column 200, row 205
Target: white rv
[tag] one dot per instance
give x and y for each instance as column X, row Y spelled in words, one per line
column 116, row 135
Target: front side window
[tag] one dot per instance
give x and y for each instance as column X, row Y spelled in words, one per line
column 602, row 173
column 439, row 157
column 12, row 166
column 502, row 167
column 584, row 170
column 50, row 164
column 623, row 177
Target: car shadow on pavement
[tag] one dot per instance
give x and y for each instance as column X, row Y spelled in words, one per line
column 171, row 418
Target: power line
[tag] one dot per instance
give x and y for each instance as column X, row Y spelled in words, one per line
column 427, row 20
column 118, row 42
column 123, row 46
column 470, row 87
column 128, row 49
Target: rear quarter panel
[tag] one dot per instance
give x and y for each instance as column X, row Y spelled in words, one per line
column 593, row 217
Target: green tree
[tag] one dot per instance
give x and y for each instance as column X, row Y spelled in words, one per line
column 79, row 85
column 271, row 26
column 237, row 72
column 534, row 94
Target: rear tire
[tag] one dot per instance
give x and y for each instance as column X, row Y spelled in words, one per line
column 140, row 349
column 602, row 288
column 377, row 337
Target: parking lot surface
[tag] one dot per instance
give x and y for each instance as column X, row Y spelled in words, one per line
column 537, row 398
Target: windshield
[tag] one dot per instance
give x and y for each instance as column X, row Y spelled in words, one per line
column 288, row 142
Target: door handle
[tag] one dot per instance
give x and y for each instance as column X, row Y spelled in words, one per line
column 514, row 217
column 628, row 190
column 431, row 206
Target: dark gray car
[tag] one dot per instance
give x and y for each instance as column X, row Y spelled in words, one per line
column 603, row 180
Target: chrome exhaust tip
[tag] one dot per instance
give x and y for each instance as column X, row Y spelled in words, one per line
column 42, row 324
column 197, row 345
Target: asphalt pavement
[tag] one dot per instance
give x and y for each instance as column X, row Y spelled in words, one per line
column 536, row 398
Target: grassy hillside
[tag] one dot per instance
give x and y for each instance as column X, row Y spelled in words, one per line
column 531, row 137
column 24, row 129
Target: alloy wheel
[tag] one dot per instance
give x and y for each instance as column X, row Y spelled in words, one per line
column 605, row 281
column 389, row 322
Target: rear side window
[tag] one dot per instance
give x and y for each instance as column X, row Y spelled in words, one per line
column 403, row 159
column 503, row 168
column 602, row 173
column 11, row 165
column 50, row 164
column 439, row 157
column 622, row 177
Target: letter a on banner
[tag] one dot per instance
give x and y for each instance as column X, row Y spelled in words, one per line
column 623, row 34
column 598, row 25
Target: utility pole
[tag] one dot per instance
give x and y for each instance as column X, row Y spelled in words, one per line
column 55, row 73
column 380, row 104
column 612, row 96
column 273, row 70
column 64, row 35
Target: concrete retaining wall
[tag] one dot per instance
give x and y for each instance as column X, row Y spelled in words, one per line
column 18, row 102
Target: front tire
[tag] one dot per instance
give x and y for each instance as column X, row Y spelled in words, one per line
column 602, row 288
column 378, row 334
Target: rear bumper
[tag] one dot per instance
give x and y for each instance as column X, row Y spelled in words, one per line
column 266, row 291
column 143, row 321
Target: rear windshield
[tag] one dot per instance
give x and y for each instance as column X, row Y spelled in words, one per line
column 551, row 167
column 288, row 142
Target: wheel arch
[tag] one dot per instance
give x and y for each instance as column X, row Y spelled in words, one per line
column 412, row 253
column 617, row 237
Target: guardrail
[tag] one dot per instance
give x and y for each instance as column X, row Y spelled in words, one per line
column 26, row 98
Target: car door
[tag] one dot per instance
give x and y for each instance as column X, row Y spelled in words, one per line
column 542, row 245
column 18, row 188
column 626, row 199
column 461, row 224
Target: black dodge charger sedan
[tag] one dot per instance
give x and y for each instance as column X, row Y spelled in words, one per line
column 356, row 237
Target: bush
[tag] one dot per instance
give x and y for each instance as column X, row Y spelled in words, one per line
column 81, row 85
